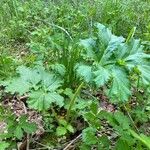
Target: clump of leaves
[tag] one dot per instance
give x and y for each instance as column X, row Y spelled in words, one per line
column 63, row 128
column 15, row 129
column 3, row 145
column 7, row 66
column 110, row 60
column 122, row 136
column 40, row 86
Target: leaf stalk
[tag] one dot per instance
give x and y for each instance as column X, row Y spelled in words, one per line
column 72, row 102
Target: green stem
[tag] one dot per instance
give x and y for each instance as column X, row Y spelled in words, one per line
column 138, row 82
column 55, row 115
column 59, row 27
column 131, row 34
column 131, row 119
column 73, row 101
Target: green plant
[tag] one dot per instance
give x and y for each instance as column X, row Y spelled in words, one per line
column 143, row 138
column 67, row 84
column 112, row 59
column 7, row 65
column 15, row 128
column 4, row 145
column 39, row 85
column 63, row 128
column 121, row 128
column 72, row 102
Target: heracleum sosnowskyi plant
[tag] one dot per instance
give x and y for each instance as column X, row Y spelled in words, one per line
column 59, row 48
column 110, row 60
column 40, row 85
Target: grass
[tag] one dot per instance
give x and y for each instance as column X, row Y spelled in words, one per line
column 53, row 28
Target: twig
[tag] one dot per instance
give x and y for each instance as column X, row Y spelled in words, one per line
column 74, row 140
column 88, row 93
column 23, row 97
column 59, row 27
column 44, row 146
column 28, row 136
column 28, row 141
column 39, row 148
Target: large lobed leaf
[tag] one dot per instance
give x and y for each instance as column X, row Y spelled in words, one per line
column 120, row 87
column 29, row 75
column 112, row 59
column 42, row 101
column 17, row 85
column 85, row 72
column 102, row 75
column 39, row 84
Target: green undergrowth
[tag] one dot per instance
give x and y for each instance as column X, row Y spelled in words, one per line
column 82, row 67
